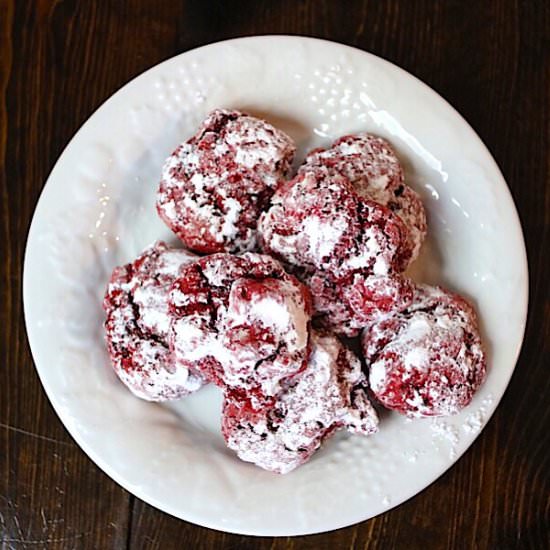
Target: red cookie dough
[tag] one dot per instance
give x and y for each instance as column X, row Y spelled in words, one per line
column 319, row 223
column 348, row 306
column 373, row 168
column 329, row 394
column 242, row 322
column 427, row 360
column 215, row 185
column 138, row 321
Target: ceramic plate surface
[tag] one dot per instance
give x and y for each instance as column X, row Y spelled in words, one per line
column 97, row 210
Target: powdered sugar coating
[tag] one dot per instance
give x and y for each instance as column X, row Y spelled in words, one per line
column 319, row 223
column 348, row 306
column 241, row 321
column 406, row 203
column 138, row 322
column 372, row 166
column 427, row 360
column 215, row 185
column 329, row 394
column 368, row 161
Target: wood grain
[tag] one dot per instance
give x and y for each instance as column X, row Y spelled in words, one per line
column 59, row 60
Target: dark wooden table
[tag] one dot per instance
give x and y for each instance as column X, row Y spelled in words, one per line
column 59, row 60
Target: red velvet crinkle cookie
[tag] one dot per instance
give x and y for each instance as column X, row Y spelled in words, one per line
column 329, row 394
column 215, row 185
column 138, row 321
column 350, row 305
column 242, row 322
column 319, row 223
column 372, row 166
column 427, row 360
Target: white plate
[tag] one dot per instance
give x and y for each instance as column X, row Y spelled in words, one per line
column 97, row 211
